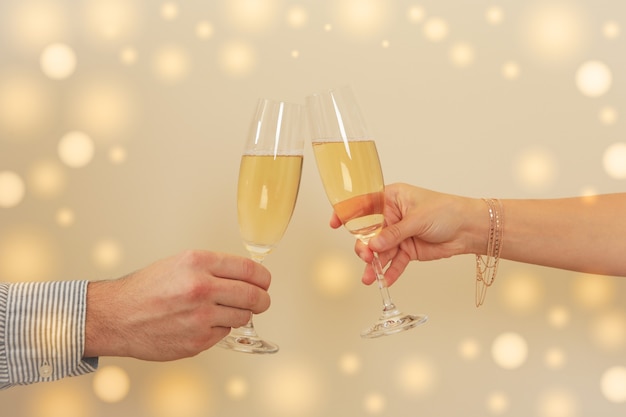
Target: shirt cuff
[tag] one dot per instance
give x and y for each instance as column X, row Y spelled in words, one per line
column 42, row 332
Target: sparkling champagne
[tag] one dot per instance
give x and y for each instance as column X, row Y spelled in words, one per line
column 266, row 196
column 353, row 181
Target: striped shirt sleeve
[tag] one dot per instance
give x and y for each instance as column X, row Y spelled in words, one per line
column 42, row 332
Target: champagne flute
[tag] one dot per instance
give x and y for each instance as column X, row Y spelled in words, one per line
column 348, row 163
column 269, row 180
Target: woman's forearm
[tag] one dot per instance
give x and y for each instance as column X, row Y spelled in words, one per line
column 586, row 234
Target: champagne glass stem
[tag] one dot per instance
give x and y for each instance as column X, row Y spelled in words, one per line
column 388, row 304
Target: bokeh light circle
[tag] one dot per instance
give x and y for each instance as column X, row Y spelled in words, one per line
column 65, row 217
column 128, row 55
column 111, row 384
column 522, row 292
column 608, row 115
column 469, row 349
column 297, row 17
column 611, row 29
column 614, row 160
column 494, row 15
column 21, row 245
column 416, row 376
column 558, row 317
column 498, row 402
column 293, row 388
column 25, row 105
column 374, row 403
column 237, row 388
column 554, row 32
column 593, row 291
column 613, row 384
column 204, row 30
column 555, row 358
column 557, row 402
column 12, row 189
column 462, row 54
column 608, row 331
column 509, row 350
column 107, row 253
column 333, row 275
column 349, row 364
column 435, row 29
column 236, row 58
column 47, row 178
column 593, row 78
column 535, row 169
column 171, row 63
column 58, row 61
column 416, row 14
column 362, row 18
column 511, row 70
column 76, row 149
column 169, row 10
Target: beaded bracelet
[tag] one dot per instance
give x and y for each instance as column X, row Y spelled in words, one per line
column 486, row 269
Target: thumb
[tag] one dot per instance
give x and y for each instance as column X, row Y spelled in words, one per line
column 390, row 237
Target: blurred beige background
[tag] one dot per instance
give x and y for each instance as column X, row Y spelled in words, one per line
column 121, row 127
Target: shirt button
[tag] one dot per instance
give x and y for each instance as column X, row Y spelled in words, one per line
column 45, row 370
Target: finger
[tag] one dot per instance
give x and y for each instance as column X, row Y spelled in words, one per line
column 236, row 267
column 240, row 295
column 335, row 222
column 369, row 276
column 397, row 267
column 391, row 236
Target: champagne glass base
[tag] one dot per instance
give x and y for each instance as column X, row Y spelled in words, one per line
column 389, row 324
column 248, row 344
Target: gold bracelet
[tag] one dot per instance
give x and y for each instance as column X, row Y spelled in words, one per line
column 486, row 269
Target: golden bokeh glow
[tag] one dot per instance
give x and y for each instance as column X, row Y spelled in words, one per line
column 509, row 350
column 361, row 18
column 593, row 78
column 204, row 30
column 178, row 393
column 25, row 105
column 611, row 29
column 592, row 291
column 12, row 189
column 237, row 388
column 557, row 402
column 554, row 32
column 416, row 14
column 613, row 384
column 169, row 10
column 253, row 16
column 608, row 331
column 292, row 388
column 111, row 19
column 497, row 403
column 558, row 317
column 462, row 54
column 555, row 358
column 107, row 253
column 469, row 348
column 374, row 403
column 510, row 70
column 19, row 246
column 297, row 17
column 535, row 169
column 111, row 384
column 58, row 61
column 349, row 364
column 102, row 107
column 60, row 401
column 436, row 29
column 614, row 160
column 171, row 63
column 608, row 115
column 417, row 376
column 33, row 24
column 494, row 15
column 333, row 275
column 76, row 149
column 237, row 59
column 65, row 217
column 47, row 178
column 522, row 292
